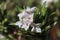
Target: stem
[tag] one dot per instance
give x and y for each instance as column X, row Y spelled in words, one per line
column 53, row 34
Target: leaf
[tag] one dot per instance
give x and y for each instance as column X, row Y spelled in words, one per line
column 5, row 20
column 47, row 28
column 10, row 36
column 43, row 10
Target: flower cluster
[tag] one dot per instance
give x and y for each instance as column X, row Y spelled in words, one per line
column 26, row 18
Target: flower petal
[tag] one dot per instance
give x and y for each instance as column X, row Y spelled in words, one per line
column 33, row 9
column 18, row 24
column 25, row 27
column 38, row 30
column 32, row 29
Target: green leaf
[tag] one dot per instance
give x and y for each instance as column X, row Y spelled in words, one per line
column 47, row 28
column 43, row 9
column 5, row 20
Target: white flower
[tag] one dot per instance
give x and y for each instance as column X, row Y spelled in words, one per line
column 37, row 28
column 25, row 19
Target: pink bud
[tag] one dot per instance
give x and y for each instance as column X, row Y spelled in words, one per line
column 14, row 32
column 19, row 37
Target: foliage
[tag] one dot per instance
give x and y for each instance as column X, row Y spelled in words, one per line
column 46, row 16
